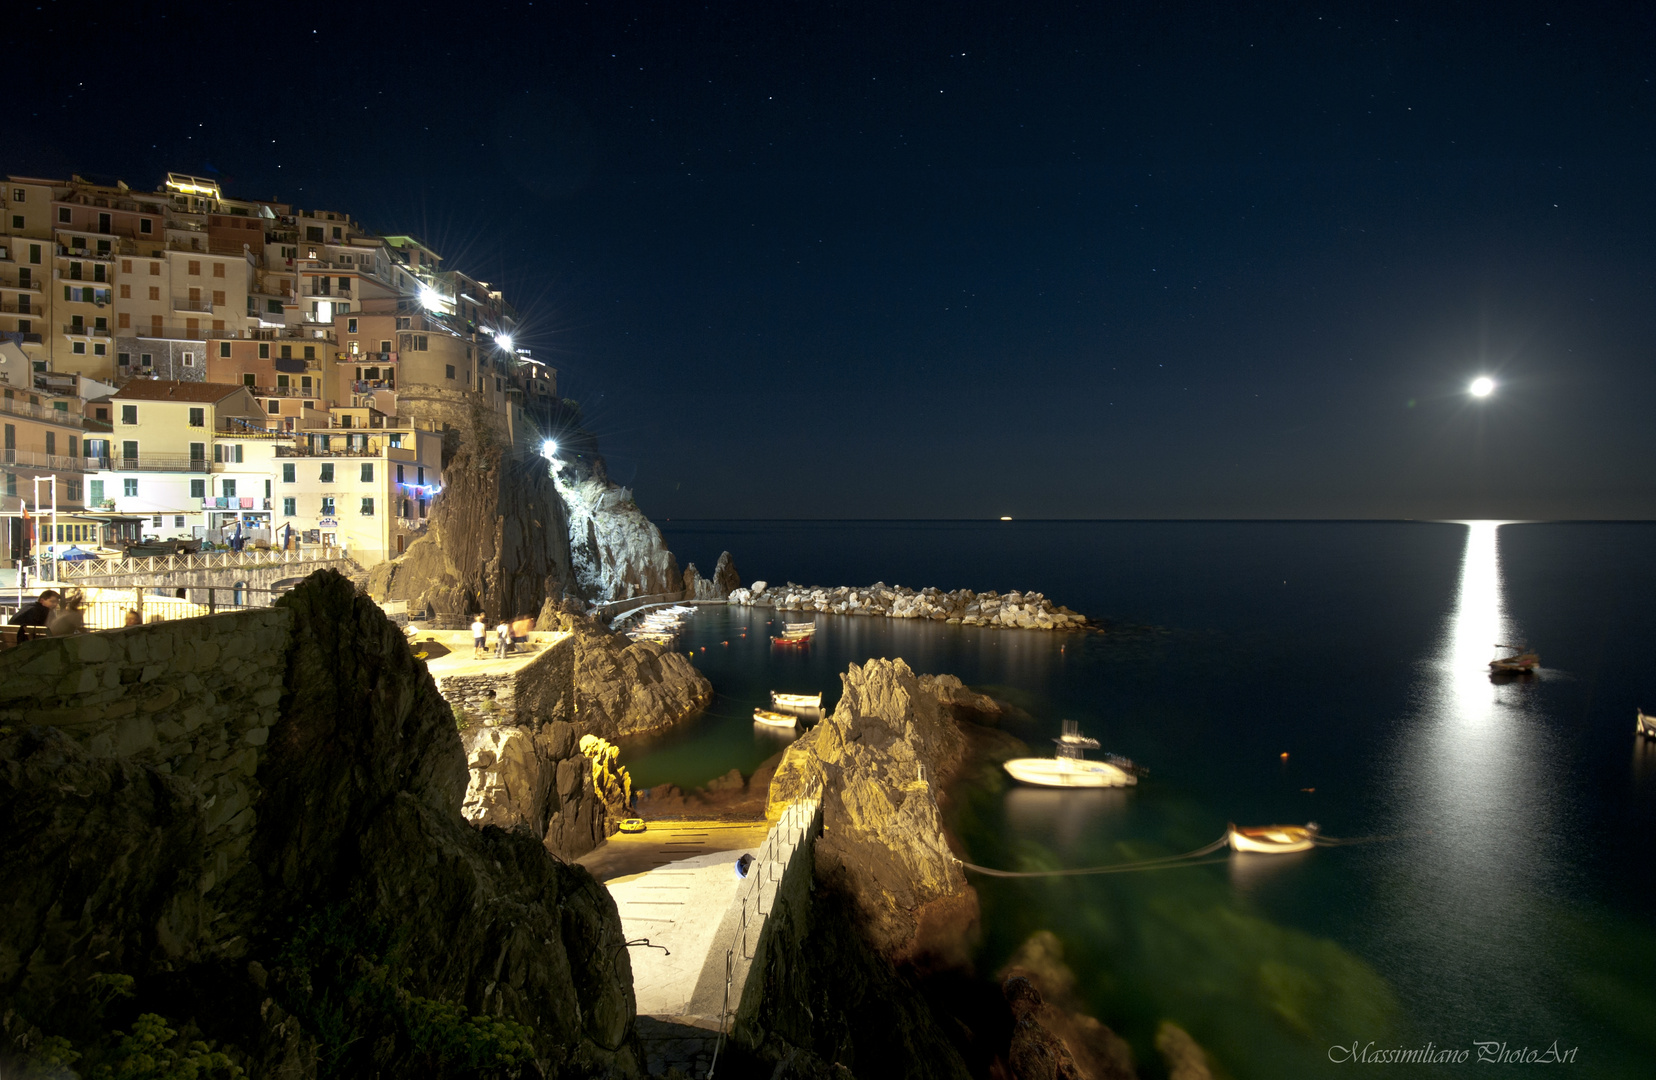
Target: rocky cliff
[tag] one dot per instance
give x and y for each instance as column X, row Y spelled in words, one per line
column 884, row 752
column 616, row 551
column 497, row 542
column 246, row 830
column 625, row 687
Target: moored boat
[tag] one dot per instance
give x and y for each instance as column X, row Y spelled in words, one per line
column 774, row 719
column 1524, row 663
column 1645, row 725
column 1069, row 767
column 1274, row 839
column 796, row 701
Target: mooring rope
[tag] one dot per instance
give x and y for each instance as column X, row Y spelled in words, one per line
column 1166, row 862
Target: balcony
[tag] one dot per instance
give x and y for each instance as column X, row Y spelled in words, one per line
column 151, row 463
column 22, row 309
column 29, row 459
column 202, row 306
column 24, row 286
column 17, row 407
column 287, row 391
column 235, row 502
column 66, row 252
column 82, row 330
column 187, row 333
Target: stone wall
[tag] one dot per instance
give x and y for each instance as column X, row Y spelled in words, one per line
column 197, row 697
column 538, row 692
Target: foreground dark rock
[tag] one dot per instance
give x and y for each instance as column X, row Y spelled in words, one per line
column 249, row 824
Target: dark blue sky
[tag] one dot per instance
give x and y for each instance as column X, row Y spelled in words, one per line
column 968, row 259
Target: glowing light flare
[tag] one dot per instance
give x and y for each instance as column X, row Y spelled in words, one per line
column 549, row 448
column 504, row 341
column 430, row 298
column 1482, row 386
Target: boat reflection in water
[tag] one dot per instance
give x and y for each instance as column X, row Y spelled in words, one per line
column 1069, row 820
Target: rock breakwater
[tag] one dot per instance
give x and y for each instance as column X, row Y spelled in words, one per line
column 1013, row 610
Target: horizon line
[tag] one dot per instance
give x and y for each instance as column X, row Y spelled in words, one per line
column 1191, row 520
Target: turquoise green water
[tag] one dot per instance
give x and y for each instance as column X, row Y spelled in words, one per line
column 1509, row 901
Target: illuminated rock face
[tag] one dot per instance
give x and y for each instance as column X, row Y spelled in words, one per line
column 616, row 552
column 889, row 743
column 625, row 687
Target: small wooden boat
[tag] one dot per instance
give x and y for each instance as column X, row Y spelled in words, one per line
column 1645, row 725
column 774, row 719
column 1274, row 839
column 1523, row 663
column 790, row 639
column 796, row 701
column 632, row 825
column 800, row 627
column 1069, row 768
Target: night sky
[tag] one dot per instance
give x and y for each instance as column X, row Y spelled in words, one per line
column 961, row 260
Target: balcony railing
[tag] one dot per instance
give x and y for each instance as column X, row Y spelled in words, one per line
column 151, row 463
column 55, row 462
column 81, row 330
column 192, row 305
column 19, row 407
column 28, row 286
column 22, row 309
column 172, row 332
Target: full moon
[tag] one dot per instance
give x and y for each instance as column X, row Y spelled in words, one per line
column 1482, row 386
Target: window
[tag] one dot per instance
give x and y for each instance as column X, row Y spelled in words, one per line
column 34, row 254
column 155, row 292
column 99, row 348
column 327, row 472
column 198, row 489
column 198, row 417
column 420, row 473
column 275, row 407
column 146, row 226
column 145, row 360
column 404, row 322
column 287, row 352
column 63, row 215
column 448, row 370
column 367, row 472
column 74, row 446
column 313, row 233
column 385, row 346
column 218, row 269
column 178, row 521
column 126, row 292
column 129, row 487
column 218, row 297
column 51, row 443
column 129, row 413
column 224, row 349
column 267, row 487
column 264, row 350
column 350, row 328
column 156, row 521
column 310, row 352
column 97, row 491
column 198, row 452
column 189, row 359
column 155, row 271
column 273, row 307
column 195, row 268
column 416, row 343
column 367, row 507
column 327, row 506
column 310, row 404
column 290, row 507
column 79, row 348
column 229, row 489
column 20, row 194
column 247, row 380
column 288, row 470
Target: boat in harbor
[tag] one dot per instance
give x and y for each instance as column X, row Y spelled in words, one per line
column 1523, row 663
column 774, row 719
column 799, row 627
column 796, row 701
column 1645, row 725
column 1274, row 839
column 1069, row 767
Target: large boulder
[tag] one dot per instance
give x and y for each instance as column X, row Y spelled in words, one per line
column 882, row 756
column 725, row 578
column 625, row 687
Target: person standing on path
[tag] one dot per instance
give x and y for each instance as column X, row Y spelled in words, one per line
column 503, row 640
column 480, row 636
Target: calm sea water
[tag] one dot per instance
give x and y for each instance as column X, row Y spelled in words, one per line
column 1507, row 893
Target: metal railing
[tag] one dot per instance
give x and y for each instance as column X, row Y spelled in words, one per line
column 86, row 569
column 203, row 306
column 150, row 463
column 799, row 822
column 19, row 407
column 56, row 462
column 82, row 330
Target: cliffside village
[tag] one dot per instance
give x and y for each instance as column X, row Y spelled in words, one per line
column 177, row 364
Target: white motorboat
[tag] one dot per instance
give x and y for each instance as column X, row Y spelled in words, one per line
column 1645, row 725
column 796, row 701
column 1274, row 839
column 1069, row 768
column 774, row 719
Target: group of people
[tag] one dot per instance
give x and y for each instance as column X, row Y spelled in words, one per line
column 505, row 637
column 62, row 614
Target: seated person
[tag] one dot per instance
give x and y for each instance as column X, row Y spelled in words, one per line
column 39, row 612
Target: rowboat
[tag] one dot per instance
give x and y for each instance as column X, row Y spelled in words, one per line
column 1274, row 839
column 790, row 639
column 1523, row 663
column 796, row 701
column 774, row 719
column 1645, row 725
column 800, row 627
column 1069, row 768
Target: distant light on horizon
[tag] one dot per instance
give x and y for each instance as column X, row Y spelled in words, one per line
column 1006, row 517
column 1482, row 386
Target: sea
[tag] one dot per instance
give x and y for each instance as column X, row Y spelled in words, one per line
column 1492, row 904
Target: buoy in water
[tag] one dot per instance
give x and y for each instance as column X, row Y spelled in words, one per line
column 1285, row 755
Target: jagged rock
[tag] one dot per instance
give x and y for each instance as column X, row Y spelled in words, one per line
column 1040, row 990
column 625, row 687
column 725, row 577
column 1028, row 611
column 697, row 587
column 615, row 550
column 882, row 753
column 498, row 539
column 361, row 778
column 1186, row 1060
